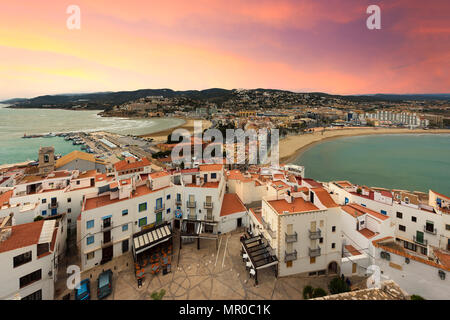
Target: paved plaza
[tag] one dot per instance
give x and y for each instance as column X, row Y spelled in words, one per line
column 216, row 271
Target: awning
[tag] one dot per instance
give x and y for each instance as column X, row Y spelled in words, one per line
column 259, row 253
column 151, row 237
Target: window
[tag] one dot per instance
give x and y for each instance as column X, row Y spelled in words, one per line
column 312, row 260
column 401, row 228
column 409, row 245
column 399, row 215
column 90, row 255
column 168, row 211
column 29, row 278
column 213, row 175
column 34, row 296
column 333, row 229
column 168, row 197
column 125, row 246
column 22, row 259
column 44, row 212
column 159, row 203
column 143, row 207
column 383, row 212
column 333, row 245
column 447, row 227
column 69, row 220
column 78, row 182
column 69, row 210
column 125, row 227
column 89, row 224
column 289, row 264
column 89, row 240
column 44, row 200
column 413, row 219
column 321, row 240
column 124, row 212
column 69, row 200
column 406, row 200
column 363, row 204
column 142, row 221
column 423, row 250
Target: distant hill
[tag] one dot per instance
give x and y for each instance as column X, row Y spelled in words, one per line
column 104, row 100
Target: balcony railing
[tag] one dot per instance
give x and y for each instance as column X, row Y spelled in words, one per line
column 430, row 231
column 291, row 237
column 160, row 209
column 192, row 216
column 313, row 235
column 420, row 241
column 191, row 204
column 107, row 243
column 290, row 256
column 209, row 217
column 269, row 230
column 53, row 205
column 107, row 226
column 314, row 252
column 208, row 205
column 178, row 202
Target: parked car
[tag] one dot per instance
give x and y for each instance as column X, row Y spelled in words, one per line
column 84, row 292
column 104, row 284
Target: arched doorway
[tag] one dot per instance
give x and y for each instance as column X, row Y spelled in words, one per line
column 333, row 267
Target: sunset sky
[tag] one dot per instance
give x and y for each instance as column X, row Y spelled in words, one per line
column 296, row 45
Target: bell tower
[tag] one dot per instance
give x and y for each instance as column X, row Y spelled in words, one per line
column 46, row 160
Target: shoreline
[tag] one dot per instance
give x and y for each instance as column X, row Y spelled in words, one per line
column 292, row 147
column 188, row 124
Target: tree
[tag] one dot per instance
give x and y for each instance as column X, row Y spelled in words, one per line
column 359, row 191
column 307, row 292
column 38, row 218
column 338, row 285
column 158, row 295
column 319, row 292
column 417, row 297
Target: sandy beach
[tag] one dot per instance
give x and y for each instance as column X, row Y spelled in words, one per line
column 292, row 146
column 161, row 136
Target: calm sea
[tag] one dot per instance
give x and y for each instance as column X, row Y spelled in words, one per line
column 411, row 161
column 15, row 122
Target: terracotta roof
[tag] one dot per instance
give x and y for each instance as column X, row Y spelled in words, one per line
column 368, row 211
column 352, row 211
column 257, row 214
column 441, row 195
column 125, row 165
column 297, row 205
column 367, row 233
column 313, row 183
column 87, row 174
column 204, row 185
column 23, row 235
column 325, row 197
column 159, row 174
column 444, row 258
column 279, row 185
column 352, row 250
column 378, row 243
column 210, row 167
column 76, row 155
column 4, row 198
column 231, row 204
column 100, row 201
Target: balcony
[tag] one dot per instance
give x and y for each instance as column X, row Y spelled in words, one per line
column 290, row 256
column 430, row 230
column 191, row 204
column 53, row 205
column 209, row 217
column 106, row 244
column 291, row 237
column 208, row 205
column 314, row 235
column 420, row 241
column 178, row 202
column 160, row 209
column 314, row 252
column 192, row 217
column 269, row 230
column 107, row 226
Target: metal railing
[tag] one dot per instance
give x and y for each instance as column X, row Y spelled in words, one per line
column 178, row 202
column 192, row 217
column 420, row 241
column 53, row 205
column 313, row 235
column 207, row 205
column 191, row 204
column 290, row 256
column 160, row 209
column 107, row 243
column 432, row 231
column 291, row 237
column 314, row 252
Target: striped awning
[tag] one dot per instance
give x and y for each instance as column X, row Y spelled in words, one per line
column 151, row 237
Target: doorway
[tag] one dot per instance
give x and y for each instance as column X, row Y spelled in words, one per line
column 239, row 222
